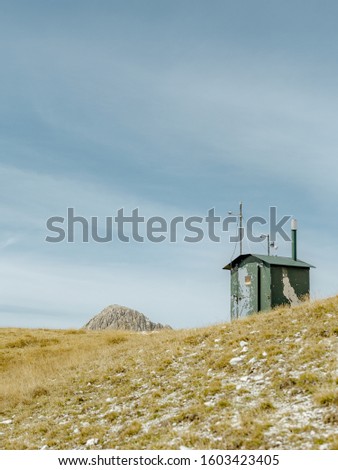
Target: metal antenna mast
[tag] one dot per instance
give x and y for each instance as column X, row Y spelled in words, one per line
column 241, row 228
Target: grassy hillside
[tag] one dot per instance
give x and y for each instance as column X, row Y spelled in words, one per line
column 268, row 381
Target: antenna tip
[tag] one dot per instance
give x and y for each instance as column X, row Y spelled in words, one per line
column 294, row 224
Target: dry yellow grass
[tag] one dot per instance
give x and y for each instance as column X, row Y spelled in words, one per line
column 35, row 360
column 61, row 388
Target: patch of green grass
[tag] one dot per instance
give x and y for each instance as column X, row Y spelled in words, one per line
column 224, row 403
column 39, row 391
column 327, row 397
column 213, row 387
column 193, row 413
column 307, row 382
column 266, row 405
column 112, row 416
column 131, row 429
column 333, row 443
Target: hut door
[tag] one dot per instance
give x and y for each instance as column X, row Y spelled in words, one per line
column 245, row 291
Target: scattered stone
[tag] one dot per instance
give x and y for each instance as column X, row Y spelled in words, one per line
column 245, row 349
column 7, row 421
column 257, row 378
column 209, row 403
column 243, row 343
column 92, row 442
column 235, row 360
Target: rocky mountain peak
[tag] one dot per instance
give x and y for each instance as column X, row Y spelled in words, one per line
column 118, row 317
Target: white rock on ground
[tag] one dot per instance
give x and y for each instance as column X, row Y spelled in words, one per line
column 235, row 360
column 92, row 442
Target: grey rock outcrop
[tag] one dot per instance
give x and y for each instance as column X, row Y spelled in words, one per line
column 118, row 317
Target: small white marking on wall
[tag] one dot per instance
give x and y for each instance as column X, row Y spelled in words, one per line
column 288, row 290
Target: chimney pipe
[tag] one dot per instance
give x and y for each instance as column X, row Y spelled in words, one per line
column 294, row 238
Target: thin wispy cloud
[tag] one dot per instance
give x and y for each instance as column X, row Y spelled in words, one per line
column 8, row 242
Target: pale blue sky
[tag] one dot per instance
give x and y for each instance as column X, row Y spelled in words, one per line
column 174, row 107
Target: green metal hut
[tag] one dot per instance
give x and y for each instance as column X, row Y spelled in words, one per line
column 261, row 282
